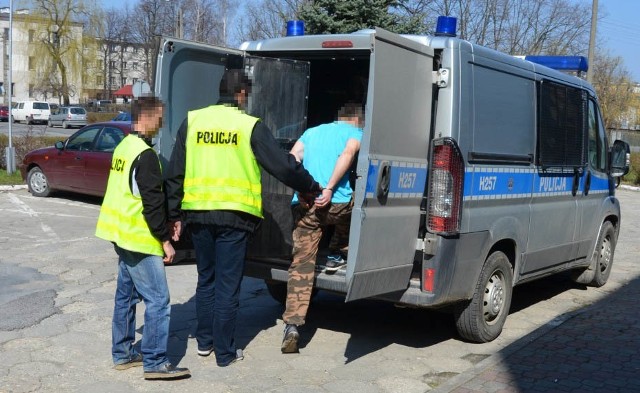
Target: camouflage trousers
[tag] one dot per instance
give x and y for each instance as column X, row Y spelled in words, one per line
column 307, row 233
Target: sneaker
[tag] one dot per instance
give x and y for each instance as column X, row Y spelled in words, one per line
column 290, row 339
column 205, row 352
column 335, row 262
column 167, row 371
column 239, row 357
column 135, row 361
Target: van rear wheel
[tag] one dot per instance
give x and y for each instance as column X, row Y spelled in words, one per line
column 481, row 319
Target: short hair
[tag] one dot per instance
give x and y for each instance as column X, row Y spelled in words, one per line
column 351, row 109
column 144, row 103
column 234, row 81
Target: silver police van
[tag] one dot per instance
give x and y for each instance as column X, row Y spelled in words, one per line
column 477, row 171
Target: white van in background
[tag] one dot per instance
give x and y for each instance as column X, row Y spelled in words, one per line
column 31, row 112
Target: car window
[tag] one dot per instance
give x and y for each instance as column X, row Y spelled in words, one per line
column 83, row 140
column 78, row 111
column 109, row 139
column 40, row 105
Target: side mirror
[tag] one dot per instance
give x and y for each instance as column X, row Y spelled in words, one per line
column 59, row 145
column 620, row 158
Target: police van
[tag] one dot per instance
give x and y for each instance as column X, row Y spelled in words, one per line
column 477, row 171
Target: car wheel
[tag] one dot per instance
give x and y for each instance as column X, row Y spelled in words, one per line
column 481, row 319
column 38, row 183
column 65, row 125
column 598, row 273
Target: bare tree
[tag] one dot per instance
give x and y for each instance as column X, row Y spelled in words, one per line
column 207, row 20
column 57, row 32
column 267, row 18
column 149, row 20
column 614, row 86
column 516, row 26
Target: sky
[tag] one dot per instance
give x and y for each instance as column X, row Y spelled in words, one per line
column 618, row 28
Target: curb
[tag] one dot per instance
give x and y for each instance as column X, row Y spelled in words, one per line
column 14, row 187
column 632, row 188
column 504, row 353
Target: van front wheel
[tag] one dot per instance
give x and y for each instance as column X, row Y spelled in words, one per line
column 482, row 318
column 598, row 274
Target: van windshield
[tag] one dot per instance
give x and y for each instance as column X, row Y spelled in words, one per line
column 40, row 105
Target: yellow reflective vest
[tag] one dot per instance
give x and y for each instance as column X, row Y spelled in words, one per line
column 221, row 171
column 121, row 220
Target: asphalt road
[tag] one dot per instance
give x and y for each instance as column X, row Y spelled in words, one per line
column 20, row 129
column 56, row 297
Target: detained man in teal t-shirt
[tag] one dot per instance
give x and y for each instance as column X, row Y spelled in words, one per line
column 327, row 152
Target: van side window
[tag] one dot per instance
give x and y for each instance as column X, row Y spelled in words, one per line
column 597, row 150
column 561, row 126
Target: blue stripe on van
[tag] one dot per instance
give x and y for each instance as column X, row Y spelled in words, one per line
column 484, row 183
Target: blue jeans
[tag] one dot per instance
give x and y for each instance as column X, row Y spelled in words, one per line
column 141, row 277
column 220, row 254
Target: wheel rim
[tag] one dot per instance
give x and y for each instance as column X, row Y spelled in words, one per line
column 494, row 297
column 605, row 254
column 38, row 182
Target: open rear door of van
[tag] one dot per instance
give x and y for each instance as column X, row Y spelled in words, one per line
column 392, row 167
column 188, row 77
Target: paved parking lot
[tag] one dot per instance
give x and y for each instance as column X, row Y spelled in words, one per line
column 56, row 297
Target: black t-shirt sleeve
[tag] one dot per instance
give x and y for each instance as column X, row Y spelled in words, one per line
column 282, row 165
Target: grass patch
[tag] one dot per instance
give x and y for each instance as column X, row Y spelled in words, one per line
column 10, row 179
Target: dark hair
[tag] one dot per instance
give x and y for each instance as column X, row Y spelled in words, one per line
column 144, row 103
column 351, row 109
column 234, row 81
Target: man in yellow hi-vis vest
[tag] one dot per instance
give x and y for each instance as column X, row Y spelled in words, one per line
column 214, row 178
column 133, row 216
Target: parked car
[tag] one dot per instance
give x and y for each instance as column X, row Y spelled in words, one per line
column 31, row 112
column 122, row 116
column 68, row 116
column 80, row 164
column 4, row 113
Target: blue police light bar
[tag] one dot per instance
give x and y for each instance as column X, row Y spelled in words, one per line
column 295, row 27
column 561, row 63
column 446, row 26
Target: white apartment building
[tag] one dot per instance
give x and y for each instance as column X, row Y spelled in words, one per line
column 104, row 70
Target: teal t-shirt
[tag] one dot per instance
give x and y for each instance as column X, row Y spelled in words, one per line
column 322, row 147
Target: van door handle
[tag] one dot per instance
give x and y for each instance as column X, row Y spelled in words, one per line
column 576, row 183
column 587, row 183
column 384, row 179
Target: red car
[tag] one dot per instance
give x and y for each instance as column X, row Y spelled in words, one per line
column 4, row 113
column 80, row 164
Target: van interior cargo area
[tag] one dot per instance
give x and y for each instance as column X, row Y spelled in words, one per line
column 330, row 72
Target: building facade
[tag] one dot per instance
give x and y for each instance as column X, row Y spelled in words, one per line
column 95, row 68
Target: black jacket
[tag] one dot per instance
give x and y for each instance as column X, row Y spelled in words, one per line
column 282, row 165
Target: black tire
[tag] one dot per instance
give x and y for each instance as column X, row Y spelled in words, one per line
column 38, row 183
column 277, row 290
column 481, row 319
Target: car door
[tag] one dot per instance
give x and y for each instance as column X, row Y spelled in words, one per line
column 98, row 161
column 392, row 167
column 68, row 171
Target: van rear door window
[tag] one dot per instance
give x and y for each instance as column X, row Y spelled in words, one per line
column 562, row 126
